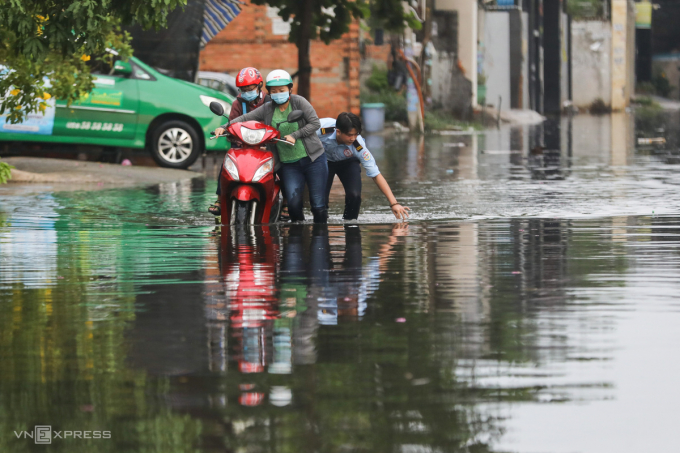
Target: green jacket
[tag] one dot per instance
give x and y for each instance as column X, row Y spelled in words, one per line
column 308, row 126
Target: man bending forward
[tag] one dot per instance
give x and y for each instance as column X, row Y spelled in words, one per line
column 345, row 150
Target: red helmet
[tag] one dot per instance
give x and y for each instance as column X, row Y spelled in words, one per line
column 248, row 76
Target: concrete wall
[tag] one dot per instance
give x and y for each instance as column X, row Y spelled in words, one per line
column 621, row 80
column 526, row 62
column 564, row 57
column 467, row 36
column 450, row 88
column 591, row 62
column 497, row 58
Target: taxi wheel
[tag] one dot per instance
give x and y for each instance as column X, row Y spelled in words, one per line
column 175, row 144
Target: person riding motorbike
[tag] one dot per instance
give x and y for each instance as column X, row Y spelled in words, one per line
column 345, row 149
column 249, row 82
column 305, row 161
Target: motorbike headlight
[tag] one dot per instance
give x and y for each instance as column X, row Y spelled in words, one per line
column 263, row 170
column 231, row 168
column 206, row 100
column 252, row 136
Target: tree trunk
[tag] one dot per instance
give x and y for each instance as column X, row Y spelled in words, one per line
column 303, row 44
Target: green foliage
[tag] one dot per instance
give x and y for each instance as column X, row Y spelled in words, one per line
column 586, row 9
column 391, row 16
column 645, row 88
column 645, row 101
column 45, row 45
column 5, row 172
column 379, row 90
column 648, row 118
column 439, row 120
column 330, row 18
column 377, row 81
column 395, row 104
column 662, row 86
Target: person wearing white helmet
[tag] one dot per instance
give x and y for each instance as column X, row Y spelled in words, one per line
column 305, row 162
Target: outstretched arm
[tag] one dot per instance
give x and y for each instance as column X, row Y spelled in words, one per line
column 399, row 211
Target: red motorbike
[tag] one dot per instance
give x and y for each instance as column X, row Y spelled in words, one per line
column 251, row 193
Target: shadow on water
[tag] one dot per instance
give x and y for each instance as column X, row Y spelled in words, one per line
column 122, row 312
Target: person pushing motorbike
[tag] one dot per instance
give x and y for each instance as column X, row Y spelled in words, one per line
column 300, row 162
column 345, row 149
column 249, row 82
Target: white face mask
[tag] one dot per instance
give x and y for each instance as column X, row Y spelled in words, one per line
column 280, row 98
column 249, row 95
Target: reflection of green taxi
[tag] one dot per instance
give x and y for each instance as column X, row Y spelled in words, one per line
column 132, row 106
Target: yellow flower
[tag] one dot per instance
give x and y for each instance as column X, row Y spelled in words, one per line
column 85, row 58
column 18, row 107
column 46, row 96
column 15, row 91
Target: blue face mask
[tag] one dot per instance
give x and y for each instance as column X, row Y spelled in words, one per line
column 249, row 95
column 281, row 98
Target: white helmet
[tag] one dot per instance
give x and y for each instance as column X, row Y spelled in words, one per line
column 278, row 78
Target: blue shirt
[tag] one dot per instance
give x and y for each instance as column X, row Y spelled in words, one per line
column 336, row 152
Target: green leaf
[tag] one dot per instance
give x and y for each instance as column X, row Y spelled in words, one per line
column 35, row 48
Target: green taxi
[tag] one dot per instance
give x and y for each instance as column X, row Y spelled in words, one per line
column 132, row 106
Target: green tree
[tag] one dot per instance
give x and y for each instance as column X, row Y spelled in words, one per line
column 329, row 20
column 5, row 172
column 45, row 45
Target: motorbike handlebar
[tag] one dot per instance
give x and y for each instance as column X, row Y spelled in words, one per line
column 224, row 135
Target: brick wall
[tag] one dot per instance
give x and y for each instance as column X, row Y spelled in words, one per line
column 249, row 41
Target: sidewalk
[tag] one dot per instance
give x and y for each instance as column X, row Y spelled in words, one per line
column 79, row 173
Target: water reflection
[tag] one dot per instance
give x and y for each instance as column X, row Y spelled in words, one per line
column 122, row 312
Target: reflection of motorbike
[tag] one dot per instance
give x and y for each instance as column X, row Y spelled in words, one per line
column 248, row 266
column 281, row 287
column 250, row 190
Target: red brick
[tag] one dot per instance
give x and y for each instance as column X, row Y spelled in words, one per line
column 248, row 41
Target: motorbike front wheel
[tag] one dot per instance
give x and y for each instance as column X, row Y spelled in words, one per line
column 243, row 212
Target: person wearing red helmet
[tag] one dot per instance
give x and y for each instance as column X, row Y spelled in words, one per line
column 249, row 83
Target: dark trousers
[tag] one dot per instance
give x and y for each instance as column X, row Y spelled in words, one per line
column 219, row 184
column 294, row 176
column 349, row 172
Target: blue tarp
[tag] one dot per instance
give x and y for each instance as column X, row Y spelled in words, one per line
column 216, row 16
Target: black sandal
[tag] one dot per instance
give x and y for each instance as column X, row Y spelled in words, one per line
column 215, row 209
column 284, row 216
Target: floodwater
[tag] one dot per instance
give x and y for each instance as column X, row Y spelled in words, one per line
column 531, row 305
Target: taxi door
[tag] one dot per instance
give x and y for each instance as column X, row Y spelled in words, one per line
column 110, row 110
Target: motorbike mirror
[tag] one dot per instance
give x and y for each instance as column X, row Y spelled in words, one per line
column 295, row 116
column 217, row 108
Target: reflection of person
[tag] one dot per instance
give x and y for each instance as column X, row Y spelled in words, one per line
column 350, row 286
column 305, row 264
column 345, row 150
column 249, row 83
column 302, row 163
column 324, row 293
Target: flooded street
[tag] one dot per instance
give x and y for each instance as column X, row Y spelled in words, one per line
column 531, row 305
